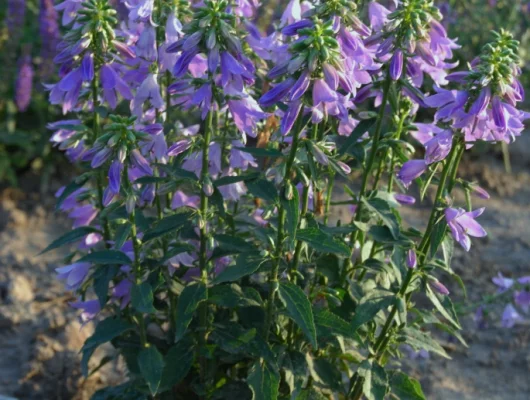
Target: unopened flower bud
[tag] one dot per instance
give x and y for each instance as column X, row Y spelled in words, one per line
column 411, row 259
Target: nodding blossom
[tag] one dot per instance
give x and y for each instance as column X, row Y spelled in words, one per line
column 463, row 225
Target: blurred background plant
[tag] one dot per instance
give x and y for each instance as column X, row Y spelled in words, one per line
column 29, row 34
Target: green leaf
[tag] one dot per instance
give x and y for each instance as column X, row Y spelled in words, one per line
column 151, row 365
column 125, row 391
column 230, row 296
column 292, row 208
column 384, row 212
column 69, row 237
column 375, row 380
column 322, row 242
column 261, row 152
column 228, row 180
column 368, row 310
column 437, row 237
column 325, row 373
column 234, row 244
column 422, row 340
column 444, row 306
column 331, row 324
column 106, row 257
column 122, row 235
column 233, row 338
column 263, row 189
column 246, row 264
column 311, row 394
column 106, row 330
column 359, row 130
column 263, row 381
column 299, row 309
column 176, row 250
column 406, row 388
column 102, row 278
column 69, row 189
column 166, row 225
column 448, row 248
column 189, row 300
column 142, row 298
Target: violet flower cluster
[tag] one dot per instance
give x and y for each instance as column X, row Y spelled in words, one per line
column 212, row 153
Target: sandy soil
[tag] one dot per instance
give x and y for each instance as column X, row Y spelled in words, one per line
column 40, row 337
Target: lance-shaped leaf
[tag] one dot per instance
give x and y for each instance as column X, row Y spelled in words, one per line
column 151, row 364
column 406, row 388
column 421, row 340
column 106, row 330
column 384, row 212
column 166, row 225
column 292, row 208
column 299, row 309
column 106, row 257
column 363, row 127
column 368, row 310
column 189, row 300
column 142, row 298
column 70, row 237
column 263, row 381
column 178, row 362
column 246, row 264
column 322, row 242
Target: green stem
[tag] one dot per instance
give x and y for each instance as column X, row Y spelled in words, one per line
column 383, row 338
column 369, row 165
column 100, row 177
column 203, row 256
column 273, row 277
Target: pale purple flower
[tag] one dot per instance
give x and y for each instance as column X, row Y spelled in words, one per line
column 179, row 147
column 463, row 225
column 83, row 215
column 292, row 13
column 246, row 114
column 139, row 161
column 438, row 147
column 140, row 9
column 277, row 93
column 412, row 261
column 404, row 199
column 480, row 192
column 149, row 90
column 396, row 65
column 115, row 171
column 112, row 85
column 73, row 274
column 290, row 116
column 439, row 287
column 90, row 309
column 241, row 159
column 510, row 316
column 146, row 44
column 322, row 93
column 181, row 199
column 411, row 170
column 122, row 292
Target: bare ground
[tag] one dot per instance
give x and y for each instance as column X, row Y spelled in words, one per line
column 40, row 337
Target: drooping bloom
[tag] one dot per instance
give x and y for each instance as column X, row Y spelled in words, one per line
column 463, row 225
column 411, row 170
column 73, row 274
